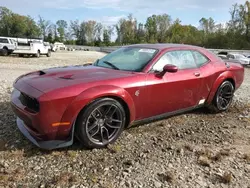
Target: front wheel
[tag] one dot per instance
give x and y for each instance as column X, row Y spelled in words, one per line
column 223, row 97
column 100, row 123
column 49, row 53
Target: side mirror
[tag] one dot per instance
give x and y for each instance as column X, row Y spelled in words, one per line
column 167, row 68
column 170, row 68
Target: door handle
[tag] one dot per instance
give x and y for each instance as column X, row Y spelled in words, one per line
column 197, row 74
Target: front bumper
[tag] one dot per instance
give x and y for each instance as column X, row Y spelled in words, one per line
column 48, row 145
column 36, row 126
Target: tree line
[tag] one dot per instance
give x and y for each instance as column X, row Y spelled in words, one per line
column 235, row 34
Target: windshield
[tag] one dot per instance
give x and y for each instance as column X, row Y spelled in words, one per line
column 239, row 56
column 127, row 59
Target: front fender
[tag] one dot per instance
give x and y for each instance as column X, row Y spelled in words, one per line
column 222, row 77
column 89, row 95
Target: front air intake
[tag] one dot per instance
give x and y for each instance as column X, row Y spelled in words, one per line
column 31, row 103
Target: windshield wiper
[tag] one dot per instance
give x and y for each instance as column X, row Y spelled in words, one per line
column 112, row 65
column 108, row 63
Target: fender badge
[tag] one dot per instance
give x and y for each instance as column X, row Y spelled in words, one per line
column 137, row 93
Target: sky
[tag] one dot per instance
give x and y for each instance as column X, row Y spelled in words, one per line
column 109, row 12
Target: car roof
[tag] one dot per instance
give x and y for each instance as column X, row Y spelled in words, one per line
column 162, row 46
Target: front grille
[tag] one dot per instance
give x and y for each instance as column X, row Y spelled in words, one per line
column 29, row 102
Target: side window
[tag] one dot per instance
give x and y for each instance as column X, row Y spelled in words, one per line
column 200, row 59
column 3, row 40
column 183, row 59
column 231, row 56
column 165, row 59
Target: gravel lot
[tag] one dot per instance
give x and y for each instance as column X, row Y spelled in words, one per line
column 197, row 149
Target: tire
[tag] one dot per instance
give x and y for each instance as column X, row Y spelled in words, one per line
column 49, row 53
column 38, row 54
column 20, row 55
column 4, row 51
column 223, row 97
column 96, row 127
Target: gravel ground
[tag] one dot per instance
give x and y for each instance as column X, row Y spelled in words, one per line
column 197, row 149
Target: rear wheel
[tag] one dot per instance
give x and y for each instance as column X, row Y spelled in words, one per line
column 4, row 51
column 38, row 54
column 223, row 97
column 101, row 123
column 49, row 53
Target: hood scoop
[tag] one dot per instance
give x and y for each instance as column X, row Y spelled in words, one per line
column 41, row 73
column 67, row 77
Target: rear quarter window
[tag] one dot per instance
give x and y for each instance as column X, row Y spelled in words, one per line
column 200, row 58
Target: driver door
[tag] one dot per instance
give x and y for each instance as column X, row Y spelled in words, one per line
column 173, row 91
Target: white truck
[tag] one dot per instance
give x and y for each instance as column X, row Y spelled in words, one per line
column 7, row 46
column 34, row 48
column 58, row 46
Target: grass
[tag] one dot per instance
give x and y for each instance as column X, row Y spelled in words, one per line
column 16, row 175
column 64, row 179
column 114, row 148
column 4, row 179
column 166, row 177
column 217, row 157
column 72, row 154
column 222, row 153
column 206, row 156
column 205, row 152
column 226, row 178
column 93, row 178
column 246, row 156
column 15, row 154
column 204, row 161
column 189, row 147
column 225, row 152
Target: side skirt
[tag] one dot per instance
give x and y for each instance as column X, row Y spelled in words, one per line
column 163, row 116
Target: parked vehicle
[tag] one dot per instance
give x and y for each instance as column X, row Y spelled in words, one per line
column 134, row 84
column 35, row 48
column 58, row 46
column 7, row 46
column 222, row 57
column 239, row 58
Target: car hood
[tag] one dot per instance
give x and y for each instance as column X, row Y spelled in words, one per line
column 55, row 78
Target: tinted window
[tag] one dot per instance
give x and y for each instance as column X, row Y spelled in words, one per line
column 2, row 40
column 231, row 56
column 183, row 59
column 200, row 59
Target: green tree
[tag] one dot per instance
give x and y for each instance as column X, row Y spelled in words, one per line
column 107, row 32
column 43, row 26
column 61, row 29
column 151, row 29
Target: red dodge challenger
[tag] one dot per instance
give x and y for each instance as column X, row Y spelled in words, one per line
column 134, row 84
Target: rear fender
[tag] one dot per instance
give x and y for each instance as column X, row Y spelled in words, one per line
column 91, row 94
column 222, row 77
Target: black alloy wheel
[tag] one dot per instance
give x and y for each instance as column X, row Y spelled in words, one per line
column 101, row 123
column 223, row 97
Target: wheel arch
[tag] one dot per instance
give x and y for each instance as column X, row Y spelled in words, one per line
column 92, row 94
column 225, row 76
